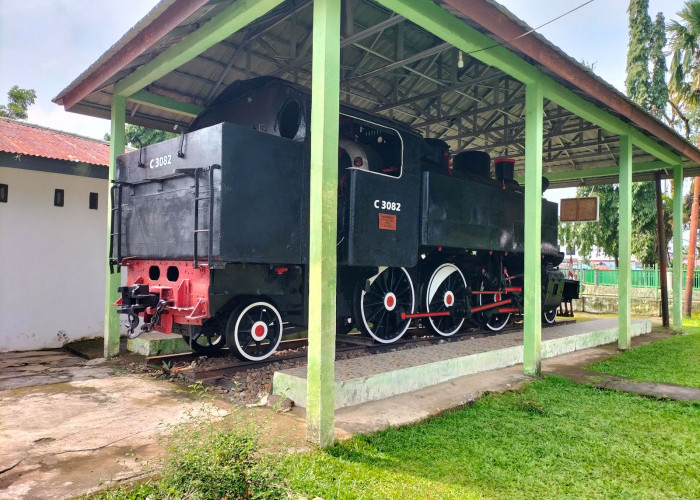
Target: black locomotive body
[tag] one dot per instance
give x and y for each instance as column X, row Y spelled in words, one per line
column 213, row 228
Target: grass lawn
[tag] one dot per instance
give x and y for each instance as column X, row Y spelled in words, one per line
column 553, row 439
column 675, row 360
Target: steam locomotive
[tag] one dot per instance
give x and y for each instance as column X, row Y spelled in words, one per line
column 213, row 229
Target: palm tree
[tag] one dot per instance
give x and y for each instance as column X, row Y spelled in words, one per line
column 684, row 38
column 684, row 86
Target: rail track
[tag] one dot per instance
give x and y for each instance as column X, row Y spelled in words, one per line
column 347, row 344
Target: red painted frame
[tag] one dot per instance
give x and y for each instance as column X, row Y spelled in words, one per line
column 187, row 296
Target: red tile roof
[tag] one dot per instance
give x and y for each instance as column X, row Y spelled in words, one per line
column 33, row 140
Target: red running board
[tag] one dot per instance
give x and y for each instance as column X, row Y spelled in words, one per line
column 491, row 306
column 424, row 315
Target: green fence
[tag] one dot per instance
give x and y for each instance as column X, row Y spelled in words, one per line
column 641, row 278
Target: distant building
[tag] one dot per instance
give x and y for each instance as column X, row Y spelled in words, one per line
column 53, row 236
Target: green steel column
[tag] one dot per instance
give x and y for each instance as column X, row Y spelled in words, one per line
column 116, row 147
column 676, row 282
column 325, row 97
column 624, row 283
column 532, row 333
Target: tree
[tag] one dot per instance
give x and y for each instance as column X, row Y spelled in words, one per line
column 584, row 236
column 644, row 244
column 685, row 87
column 684, row 82
column 637, row 81
column 138, row 136
column 18, row 100
column 658, row 89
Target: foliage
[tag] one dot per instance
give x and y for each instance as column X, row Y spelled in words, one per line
column 584, row 236
column 208, row 462
column 604, row 235
column 552, row 439
column 684, row 39
column 684, row 82
column 658, row 89
column 646, row 47
column 644, row 243
column 673, row 360
column 137, row 135
column 637, row 81
column 18, row 100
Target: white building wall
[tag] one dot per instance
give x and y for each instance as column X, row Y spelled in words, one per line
column 52, row 260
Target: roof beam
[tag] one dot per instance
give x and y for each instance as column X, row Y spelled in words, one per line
column 438, row 21
column 493, row 20
column 588, row 111
column 166, row 103
column 477, row 45
column 220, row 27
column 303, row 59
column 151, row 33
column 399, row 64
column 462, row 85
column 650, row 166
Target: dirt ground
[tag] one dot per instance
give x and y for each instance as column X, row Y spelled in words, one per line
column 70, row 426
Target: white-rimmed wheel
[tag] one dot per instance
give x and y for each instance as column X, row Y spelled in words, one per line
column 206, row 343
column 549, row 316
column 254, row 330
column 383, row 303
column 491, row 318
column 446, row 296
column 210, row 340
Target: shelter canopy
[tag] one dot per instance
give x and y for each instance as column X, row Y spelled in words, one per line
column 392, row 67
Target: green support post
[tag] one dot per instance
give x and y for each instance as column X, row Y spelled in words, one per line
column 325, row 99
column 677, row 282
column 116, row 147
column 532, row 330
column 624, row 283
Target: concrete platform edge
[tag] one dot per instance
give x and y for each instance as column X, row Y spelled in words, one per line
column 383, row 385
column 155, row 344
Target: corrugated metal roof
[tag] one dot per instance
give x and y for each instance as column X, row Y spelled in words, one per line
column 33, row 140
column 390, row 67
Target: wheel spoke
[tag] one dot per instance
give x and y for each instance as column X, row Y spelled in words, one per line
column 374, row 317
column 241, row 325
column 447, row 279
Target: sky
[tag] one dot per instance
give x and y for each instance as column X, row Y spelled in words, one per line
column 46, row 44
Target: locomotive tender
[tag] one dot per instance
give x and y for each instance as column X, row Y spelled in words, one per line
column 213, row 228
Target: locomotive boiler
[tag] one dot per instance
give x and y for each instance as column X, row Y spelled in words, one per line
column 213, row 229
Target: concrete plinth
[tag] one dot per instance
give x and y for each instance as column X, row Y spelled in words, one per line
column 371, row 378
column 155, row 344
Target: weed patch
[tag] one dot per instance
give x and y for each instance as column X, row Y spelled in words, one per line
column 207, row 461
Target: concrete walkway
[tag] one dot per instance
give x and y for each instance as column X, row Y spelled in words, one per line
column 418, row 405
column 574, row 371
column 70, row 426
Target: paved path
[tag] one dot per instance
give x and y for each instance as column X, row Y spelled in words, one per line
column 575, row 371
column 68, row 426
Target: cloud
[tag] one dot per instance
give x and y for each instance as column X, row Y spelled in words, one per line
column 55, row 117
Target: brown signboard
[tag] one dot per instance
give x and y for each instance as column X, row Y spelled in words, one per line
column 578, row 209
